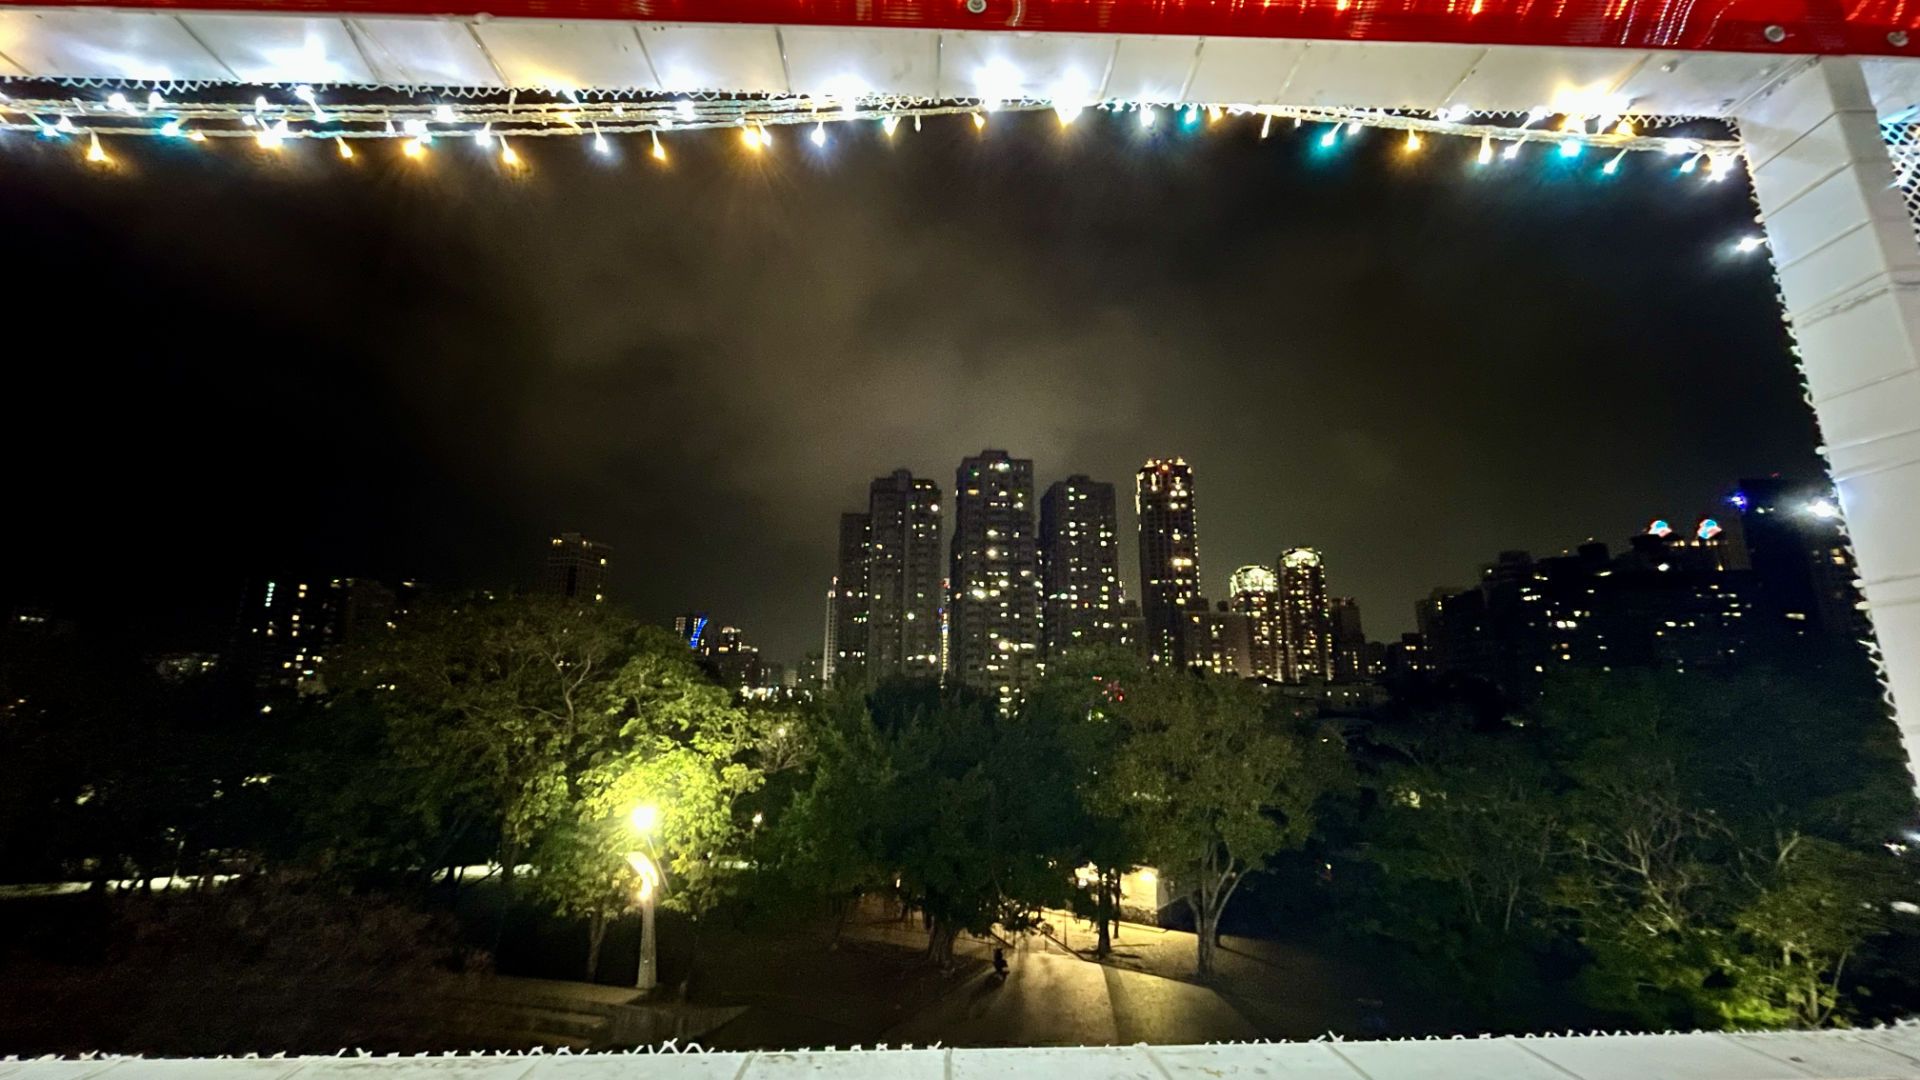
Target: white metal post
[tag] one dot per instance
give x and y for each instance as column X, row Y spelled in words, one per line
column 1850, row 277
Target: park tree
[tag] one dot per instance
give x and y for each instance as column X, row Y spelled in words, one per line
column 936, row 794
column 1214, row 776
column 678, row 745
column 1724, row 833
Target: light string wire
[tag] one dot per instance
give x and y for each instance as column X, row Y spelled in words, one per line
column 601, row 114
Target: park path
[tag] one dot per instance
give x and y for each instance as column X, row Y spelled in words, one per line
column 1052, row 999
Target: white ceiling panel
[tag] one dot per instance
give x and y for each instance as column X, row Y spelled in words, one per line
column 1244, row 70
column 568, row 55
column 1151, row 68
column 975, row 64
column 823, row 60
column 1582, row 81
column 1699, row 84
column 424, row 52
column 1380, row 75
column 104, row 45
column 282, row 48
column 1894, row 83
column 741, row 58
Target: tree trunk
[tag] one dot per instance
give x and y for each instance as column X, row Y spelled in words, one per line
column 940, row 935
column 1206, row 923
column 596, row 935
column 1103, row 912
column 509, row 856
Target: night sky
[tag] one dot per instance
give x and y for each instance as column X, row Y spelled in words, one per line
column 221, row 363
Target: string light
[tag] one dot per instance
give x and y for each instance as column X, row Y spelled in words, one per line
column 96, row 153
column 1613, row 164
column 508, row 156
column 414, row 148
column 1719, row 166
column 1691, row 163
column 766, row 137
column 916, row 123
column 1748, row 244
column 600, row 143
column 1214, row 112
column 1191, row 116
column 1266, row 125
column 659, row 152
column 1512, row 151
column 979, row 121
column 1486, row 150
column 747, row 136
column 443, row 113
column 891, row 124
column 1571, row 147
column 1147, row 116
column 117, row 101
column 65, row 126
column 1332, row 134
column 1413, row 142
column 346, row 151
column 196, row 136
column 171, row 128
column 485, row 135
column 819, row 136
column 154, row 100
column 272, row 137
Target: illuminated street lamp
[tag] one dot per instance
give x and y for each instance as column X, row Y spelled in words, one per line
column 645, row 818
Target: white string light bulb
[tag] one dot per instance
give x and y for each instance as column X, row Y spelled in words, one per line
column 659, row 152
column 1571, row 147
column 747, row 136
column 1266, row 125
column 1332, row 134
column 65, row 126
column 154, row 100
column 819, row 136
column 96, row 153
column 171, row 128
column 1413, row 142
column 1512, row 151
column 600, row 143
column 890, row 124
column 414, row 148
column 1147, row 116
column 346, row 151
column 485, row 135
column 117, row 101
column 766, row 137
column 1613, row 164
column 979, row 121
column 443, row 113
column 508, row 156
column 1486, row 150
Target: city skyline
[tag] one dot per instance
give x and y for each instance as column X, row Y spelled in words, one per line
column 553, row 356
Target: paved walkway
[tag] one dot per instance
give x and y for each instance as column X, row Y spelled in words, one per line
column 1048, row 999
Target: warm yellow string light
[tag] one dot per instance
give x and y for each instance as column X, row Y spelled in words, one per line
column 1413, row 141
column 508, row 156
column 659, row 152
column 413, row 148
column 97, row 154
column 345, row 150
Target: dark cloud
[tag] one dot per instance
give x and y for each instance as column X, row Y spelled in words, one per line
column 394, row 368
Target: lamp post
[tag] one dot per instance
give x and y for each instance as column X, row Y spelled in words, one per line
column 645, row 819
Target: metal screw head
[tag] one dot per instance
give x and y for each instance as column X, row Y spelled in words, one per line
column 1897, row 39
column 977, row 7
column 1775, row 33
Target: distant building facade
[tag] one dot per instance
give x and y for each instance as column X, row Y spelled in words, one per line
column 844, row 655
column 1306, row 615
column 994, row 606
column 576, row 568
column 903, row 578
column 1169, row 557
column 1080, row 566
column 1254, row 591
column 293, row 627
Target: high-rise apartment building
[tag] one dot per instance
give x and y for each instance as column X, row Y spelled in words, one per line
column 1793, row 540
column 994, row 606
column 1169, row 557
column 1306, row 616
column 1254, row 591
column 903, row 578
column 576, row 568
column 1352, row 661
column 1218, row 642
column 1079, row 566
column 293, row 627
column 845, row 654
